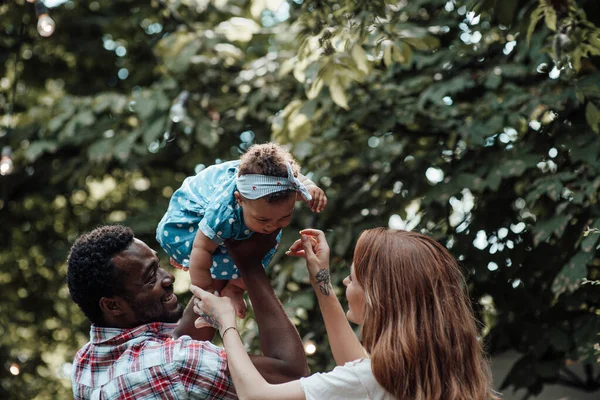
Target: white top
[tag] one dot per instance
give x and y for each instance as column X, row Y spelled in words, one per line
column 354, row 380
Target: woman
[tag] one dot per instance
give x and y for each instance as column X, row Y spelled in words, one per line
column 419, row 337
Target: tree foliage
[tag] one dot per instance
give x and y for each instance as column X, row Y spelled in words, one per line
column 474, row 122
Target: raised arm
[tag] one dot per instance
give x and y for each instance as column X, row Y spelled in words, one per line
column 313, row 246
column 283, row 354
column 248, row 382
column 319, row 200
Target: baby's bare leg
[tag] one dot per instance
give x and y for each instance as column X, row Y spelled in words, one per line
column 200, row 276
column 234, row 289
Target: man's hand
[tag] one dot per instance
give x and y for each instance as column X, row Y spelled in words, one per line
column 252, row 250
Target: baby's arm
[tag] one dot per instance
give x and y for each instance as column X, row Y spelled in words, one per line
column 201, row 261
column 319, row 200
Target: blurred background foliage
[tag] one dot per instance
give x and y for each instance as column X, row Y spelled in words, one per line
column 475, row 122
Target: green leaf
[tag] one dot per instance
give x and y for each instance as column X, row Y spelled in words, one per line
column 572, row 274
column 388, row 48
column 145, row 106
column 101, row 151
column 39, row 147
column 85, row 118
column 360, row 58
column 589, row 243
column 299, row 126
column 206, row 134
column 592, row 116
column 550, row 17
column 315, row 88
column 154, row 130
column 544, row 229
column 536, row 15
column 338, row 94
column 124, row 146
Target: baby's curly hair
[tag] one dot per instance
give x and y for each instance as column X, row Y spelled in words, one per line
column 269, row 159
column 91, row 273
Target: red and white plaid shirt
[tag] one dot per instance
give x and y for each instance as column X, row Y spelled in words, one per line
column 148, row 363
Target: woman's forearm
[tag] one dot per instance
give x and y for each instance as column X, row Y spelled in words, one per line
column 345, row 346
column 248, row 382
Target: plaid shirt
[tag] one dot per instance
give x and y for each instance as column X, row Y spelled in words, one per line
column 148, row 363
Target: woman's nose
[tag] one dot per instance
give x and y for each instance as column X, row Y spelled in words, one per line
column 346, row 281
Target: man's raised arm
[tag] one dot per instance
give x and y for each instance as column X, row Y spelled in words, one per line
column 283, row 356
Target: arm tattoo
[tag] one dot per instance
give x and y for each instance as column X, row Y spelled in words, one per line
column 211, row 319
column 323, row 280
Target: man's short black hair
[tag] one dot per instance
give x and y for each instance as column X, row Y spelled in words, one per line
column 91, row 273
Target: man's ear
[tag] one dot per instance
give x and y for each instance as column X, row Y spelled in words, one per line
column 112, row 306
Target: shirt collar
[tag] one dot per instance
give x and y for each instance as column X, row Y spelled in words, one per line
column 107, row 335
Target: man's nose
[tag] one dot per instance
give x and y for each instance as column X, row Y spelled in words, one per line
column 168, row 278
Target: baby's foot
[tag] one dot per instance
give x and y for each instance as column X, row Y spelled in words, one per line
column 237, row 298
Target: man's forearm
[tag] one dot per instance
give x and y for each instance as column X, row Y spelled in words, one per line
column 279, row 339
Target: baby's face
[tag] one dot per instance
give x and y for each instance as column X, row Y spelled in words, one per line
column 263, row 217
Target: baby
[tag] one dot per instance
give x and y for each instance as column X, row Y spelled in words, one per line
column 231, row 201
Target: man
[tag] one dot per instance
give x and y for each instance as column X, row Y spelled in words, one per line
column 138, row 350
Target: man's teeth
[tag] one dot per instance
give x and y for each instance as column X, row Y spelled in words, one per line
column 168, row 298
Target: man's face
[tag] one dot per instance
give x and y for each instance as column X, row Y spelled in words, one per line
column 148, row 289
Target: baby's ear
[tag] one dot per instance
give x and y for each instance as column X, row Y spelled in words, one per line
column 238, row 197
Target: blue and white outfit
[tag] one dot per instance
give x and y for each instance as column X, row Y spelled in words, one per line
column 206, row 202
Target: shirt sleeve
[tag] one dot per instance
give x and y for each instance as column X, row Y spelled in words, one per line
column 340, row 384
column 203, row 370
column 218, row 221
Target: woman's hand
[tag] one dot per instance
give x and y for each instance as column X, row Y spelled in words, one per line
column 313, row 246
column 214, row 311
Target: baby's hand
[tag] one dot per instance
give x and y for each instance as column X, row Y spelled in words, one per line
column 319, row 200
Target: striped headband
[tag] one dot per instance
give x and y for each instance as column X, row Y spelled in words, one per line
column 255, row 186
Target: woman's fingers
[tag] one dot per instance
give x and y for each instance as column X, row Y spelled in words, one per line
column 200, row 323
column 296, row 253
column 307, row 244
column 316, row 233
column 297, row 245
column 198, row 292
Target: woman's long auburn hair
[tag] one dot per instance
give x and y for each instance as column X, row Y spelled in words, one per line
column 419, row 327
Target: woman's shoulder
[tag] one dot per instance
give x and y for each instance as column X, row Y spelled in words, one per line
column 353, row 380
column 362, row 369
